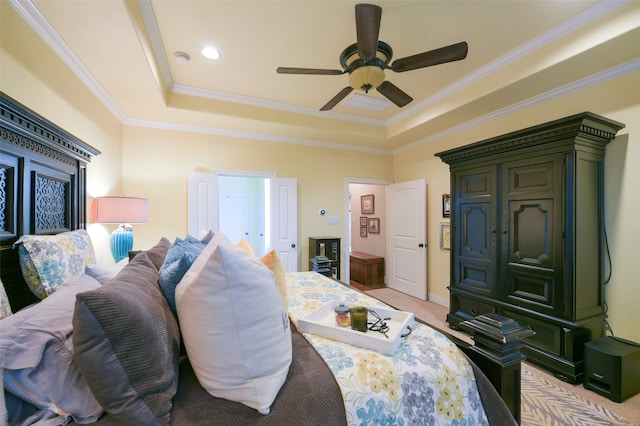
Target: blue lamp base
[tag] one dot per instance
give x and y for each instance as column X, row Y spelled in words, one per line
column 121, row 242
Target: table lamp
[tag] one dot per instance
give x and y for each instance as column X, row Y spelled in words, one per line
column 124, row 211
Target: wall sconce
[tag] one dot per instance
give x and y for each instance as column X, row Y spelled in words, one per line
column 124, row 211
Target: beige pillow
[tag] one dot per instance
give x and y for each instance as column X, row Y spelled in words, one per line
column 234, row 325
column 244, row 245
column 272, row 261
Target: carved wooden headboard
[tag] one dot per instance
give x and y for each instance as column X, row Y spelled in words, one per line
column 42, row 186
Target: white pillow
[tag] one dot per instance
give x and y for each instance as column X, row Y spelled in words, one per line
column 234, row 325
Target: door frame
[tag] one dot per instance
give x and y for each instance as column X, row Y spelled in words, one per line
column 208, row 206
column 414, row 244
column 347, row 232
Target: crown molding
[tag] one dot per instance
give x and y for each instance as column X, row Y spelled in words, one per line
column 572, row 24
column 251, row 135
column 32, row 15
column 280, row 106
column 573, row 87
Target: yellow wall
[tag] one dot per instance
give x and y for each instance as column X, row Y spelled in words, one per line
column 32, row 74
column 615, row 100
column 155, row 163
column 154, row 167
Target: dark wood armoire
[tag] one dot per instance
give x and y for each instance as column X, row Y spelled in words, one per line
column 528, row 241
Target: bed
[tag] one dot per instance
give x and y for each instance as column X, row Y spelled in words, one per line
column 124, row 351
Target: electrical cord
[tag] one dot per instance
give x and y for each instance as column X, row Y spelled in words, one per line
column 606, row 246
column 605, row 306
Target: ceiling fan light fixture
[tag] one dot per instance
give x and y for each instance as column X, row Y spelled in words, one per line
column 368, row 58
column 366, row 78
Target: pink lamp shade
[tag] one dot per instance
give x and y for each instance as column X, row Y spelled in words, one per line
column 121, row 210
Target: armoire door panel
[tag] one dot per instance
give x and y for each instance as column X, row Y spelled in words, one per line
column 529, row 178
column 480, row 183
column 476, row 276
column 532, row 288
column 475, row 243
column 531, row 231
column 476, row 230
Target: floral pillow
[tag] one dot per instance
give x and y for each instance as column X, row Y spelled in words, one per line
column 49, row 261
column 5, row 307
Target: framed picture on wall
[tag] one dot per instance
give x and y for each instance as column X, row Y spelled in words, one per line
column 446, row 205
column 363, row 221
column 374, row 225
column 363, row 231
column 366, row 204
column 445, row 236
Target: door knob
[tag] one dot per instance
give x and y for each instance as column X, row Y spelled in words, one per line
column 420, row 245
column 293, row 245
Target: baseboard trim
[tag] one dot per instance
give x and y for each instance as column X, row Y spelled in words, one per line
column 443, row 301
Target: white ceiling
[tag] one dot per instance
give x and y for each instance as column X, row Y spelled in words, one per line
column 518, row 49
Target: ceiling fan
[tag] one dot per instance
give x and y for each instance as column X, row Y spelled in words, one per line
column 366, row 60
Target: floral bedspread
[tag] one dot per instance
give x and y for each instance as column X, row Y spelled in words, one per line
column 427, row 381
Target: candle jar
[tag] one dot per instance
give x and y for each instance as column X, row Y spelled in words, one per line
column 343, row 317
column 359, row 315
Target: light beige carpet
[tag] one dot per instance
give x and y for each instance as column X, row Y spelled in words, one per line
column 546, row 400
column 544, row 403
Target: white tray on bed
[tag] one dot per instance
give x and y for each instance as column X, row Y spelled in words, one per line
column 322, row 322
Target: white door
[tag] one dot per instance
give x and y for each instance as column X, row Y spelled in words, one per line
column 202, row 203
column 235, row 217
column 284, row 221
column 407, row 240
column 203, row 213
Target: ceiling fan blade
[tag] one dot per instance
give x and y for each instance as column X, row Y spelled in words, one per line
column 367, row 30
column 337, row 98
column 395, row 95
column 313, row 71
column 454, row 52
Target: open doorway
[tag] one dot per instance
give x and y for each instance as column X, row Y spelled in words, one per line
column 373, row 243
column 403, row 230
column 258, row 207
column 244, row 206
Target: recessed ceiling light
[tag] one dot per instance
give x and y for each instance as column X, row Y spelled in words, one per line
column 181, row 57
column 210, row 52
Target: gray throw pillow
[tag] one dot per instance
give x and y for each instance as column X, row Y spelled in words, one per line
column 156, row 254
column 126, row 343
